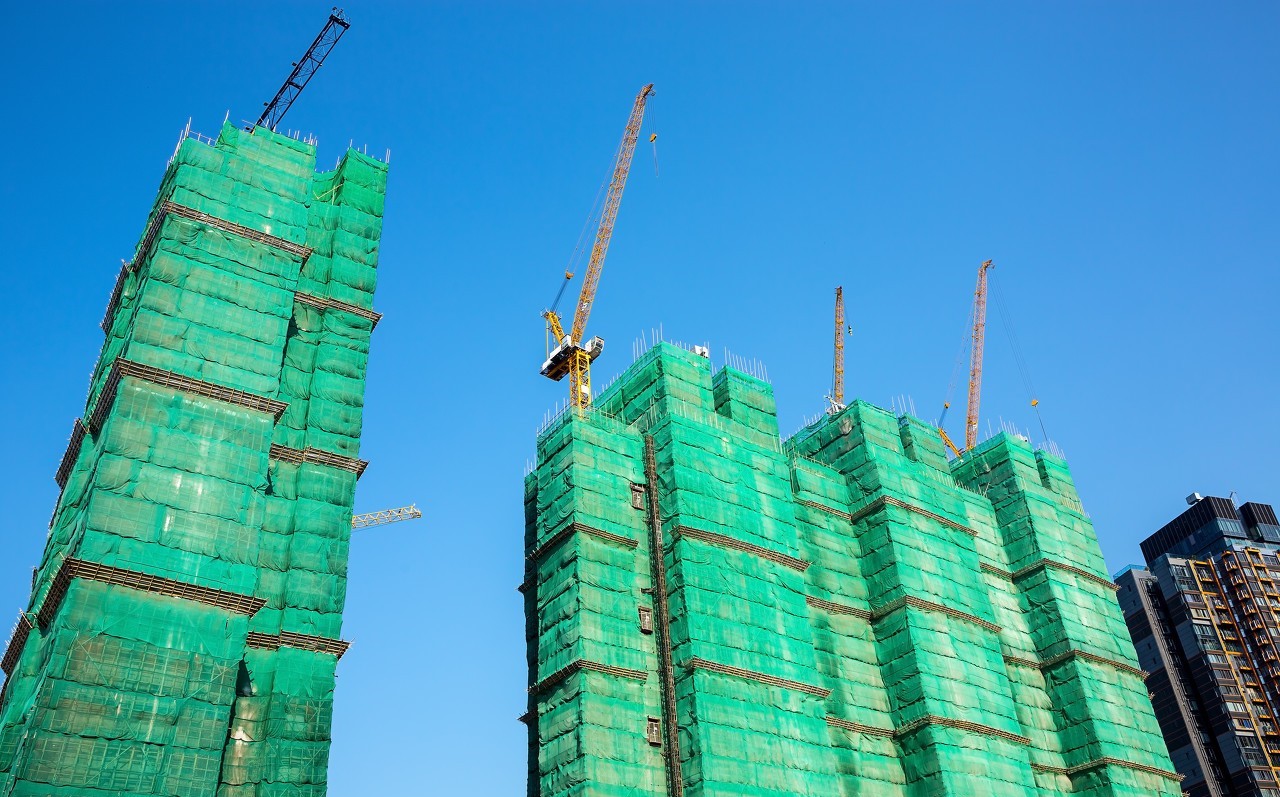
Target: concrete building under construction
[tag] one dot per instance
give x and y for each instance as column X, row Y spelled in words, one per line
column 185, row 620
column 712, row 610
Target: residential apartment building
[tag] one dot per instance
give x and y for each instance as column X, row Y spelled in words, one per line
column 1204, row 619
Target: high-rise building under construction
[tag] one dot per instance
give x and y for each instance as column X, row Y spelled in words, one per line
column 1205, row 617
column 184, row 623
column 714, row 611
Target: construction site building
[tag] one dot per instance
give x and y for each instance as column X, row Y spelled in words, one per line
column 1205, row 618
column 184, row 622
column 714, row 611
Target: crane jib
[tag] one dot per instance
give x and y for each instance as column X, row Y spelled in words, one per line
column 572, row 355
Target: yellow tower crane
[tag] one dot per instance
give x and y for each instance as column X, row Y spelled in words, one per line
column 837, row 381
column 570, row 355
column 975, row 366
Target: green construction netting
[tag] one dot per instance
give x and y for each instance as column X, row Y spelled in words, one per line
column 903, row 653
column 129, row 692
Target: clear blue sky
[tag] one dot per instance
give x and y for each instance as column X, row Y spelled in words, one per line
column 1119, row 162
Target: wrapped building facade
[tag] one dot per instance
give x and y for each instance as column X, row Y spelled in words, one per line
column 184, row 623
column 713, row 611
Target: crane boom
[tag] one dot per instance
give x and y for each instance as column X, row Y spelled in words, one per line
column 303, row 71
column 385, row 516
column 570, row 355
column 837, row 382
column 609, row 214
column 975, row 356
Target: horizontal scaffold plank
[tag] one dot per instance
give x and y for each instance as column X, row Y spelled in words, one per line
column 315, row 456
column 725, row 541
column 1112, row 762
column 291, row 639
column 153, row 229
column 69, row 456
column 158, row 376
column 696, row 663
column 73, row 568
column 882, row 501
column 257, row 236
column 582, row 665
column 579, row 528
column 334, row 304
column 1093, row 658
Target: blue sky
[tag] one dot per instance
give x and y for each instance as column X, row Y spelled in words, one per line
column 1117, row 161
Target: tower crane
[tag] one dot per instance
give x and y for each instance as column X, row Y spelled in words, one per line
column 570, row 354
column 385, row 516
column 837, row 382
column 975, row 367
column 975, row 356
column 303, row 70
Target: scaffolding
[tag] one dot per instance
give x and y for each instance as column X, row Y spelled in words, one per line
column 713, row 610
column 185, row 620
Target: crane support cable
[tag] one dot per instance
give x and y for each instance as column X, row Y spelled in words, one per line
column 1018, row 358
column 303, row 71
column 621, row 168
column 955, row 368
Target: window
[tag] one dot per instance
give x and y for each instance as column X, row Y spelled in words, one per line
column 1181, row 571
column 1236, row 708
column 1251, row 751
column 1217, row 658
column 1243, row 723
column 1208, row 639
column 1200, row 614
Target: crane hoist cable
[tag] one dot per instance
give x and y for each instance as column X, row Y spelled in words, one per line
column 653, row 137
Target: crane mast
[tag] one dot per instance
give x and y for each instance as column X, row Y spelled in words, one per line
column 571, row 356
column 837, row 381
column 975, row 356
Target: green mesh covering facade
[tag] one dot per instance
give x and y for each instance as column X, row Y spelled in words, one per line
column 845, row 613
column 184, row 622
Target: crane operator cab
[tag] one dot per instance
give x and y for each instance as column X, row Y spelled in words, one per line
column 558, row 361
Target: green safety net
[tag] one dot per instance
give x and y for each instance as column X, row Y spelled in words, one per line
column 224, row 463
column 850, row 613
